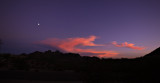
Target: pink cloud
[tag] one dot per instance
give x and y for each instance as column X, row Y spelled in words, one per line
column 128, row 45
column 75, row 45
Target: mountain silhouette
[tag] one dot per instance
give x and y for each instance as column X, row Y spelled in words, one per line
column 154, row 54
column 72, row 66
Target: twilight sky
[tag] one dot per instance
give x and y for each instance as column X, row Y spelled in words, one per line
column 102, row 28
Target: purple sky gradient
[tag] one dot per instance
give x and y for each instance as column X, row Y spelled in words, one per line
column 133, row 21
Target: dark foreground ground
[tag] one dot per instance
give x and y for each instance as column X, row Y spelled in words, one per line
column 20, row 76
column 36, row 81
column 40, row 77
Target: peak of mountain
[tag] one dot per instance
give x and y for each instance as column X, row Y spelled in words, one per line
column 155, row 53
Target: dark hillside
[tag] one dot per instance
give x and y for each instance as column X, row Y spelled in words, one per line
column 83, row 68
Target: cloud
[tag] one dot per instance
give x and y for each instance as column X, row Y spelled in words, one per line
column 128, row 45
column 75, row 45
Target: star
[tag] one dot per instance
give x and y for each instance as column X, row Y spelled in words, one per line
column 38, row 24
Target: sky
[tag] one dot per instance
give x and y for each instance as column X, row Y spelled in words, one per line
column 102, row 28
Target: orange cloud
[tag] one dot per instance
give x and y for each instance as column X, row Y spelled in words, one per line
column 126, row 44
column 75, row 45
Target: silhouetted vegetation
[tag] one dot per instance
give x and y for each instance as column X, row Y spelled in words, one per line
column 91, row 69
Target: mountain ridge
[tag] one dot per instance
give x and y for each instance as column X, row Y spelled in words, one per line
column 154, row 53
